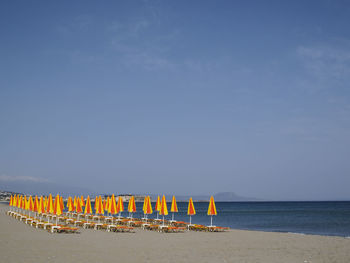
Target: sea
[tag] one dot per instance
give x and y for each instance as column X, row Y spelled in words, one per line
column 318, row 218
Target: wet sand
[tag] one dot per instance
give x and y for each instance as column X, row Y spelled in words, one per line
column 22, row 243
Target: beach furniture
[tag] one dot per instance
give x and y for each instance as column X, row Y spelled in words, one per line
column 173, row 208
column 157, row 207
column 111, row 228
column 163, row 208
column 190, row 210
column 211, row 210
column 124, row 229
column 131, row 206
column 217, row 229
column 120, row 206
column 67, row 230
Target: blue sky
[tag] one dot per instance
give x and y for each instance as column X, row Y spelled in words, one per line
column 182, row 97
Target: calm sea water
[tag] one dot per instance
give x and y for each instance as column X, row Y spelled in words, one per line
column 321, row 218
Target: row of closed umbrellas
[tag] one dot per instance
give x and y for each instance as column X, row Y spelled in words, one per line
column 47, row 204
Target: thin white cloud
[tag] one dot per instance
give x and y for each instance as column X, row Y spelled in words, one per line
column 326, row 62
column 7, row 178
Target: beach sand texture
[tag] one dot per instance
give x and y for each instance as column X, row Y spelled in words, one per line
column 22, row 243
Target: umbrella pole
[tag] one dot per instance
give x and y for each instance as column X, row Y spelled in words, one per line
column 163, row 220
column 173, row 217
column 157, row 215
column 211, row 221
column 190, row 221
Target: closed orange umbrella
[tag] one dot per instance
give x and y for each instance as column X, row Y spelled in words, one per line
column 120, row 205
column 191, row 211
column 78, row 208
column 70, row 204
column 36, row 206
column 144, row 206
column 163, row 208
column 57, row 207
column 24, row 203
column 112, row 208
column 173, row 208
column 211, row 210
column 157, row 207
column 75, row 202
column 148, row 208
column 41, row 208
column 132, row 206
column 99, row 207
column 96, row 203
column 88, row 209
column 62, row 204
column 30, row 206
column 19, row 203
column 49, row 206
column 82, row 201
column 104, row 204
column 11, row 202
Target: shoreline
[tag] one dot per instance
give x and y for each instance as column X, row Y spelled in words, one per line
column 22, row 243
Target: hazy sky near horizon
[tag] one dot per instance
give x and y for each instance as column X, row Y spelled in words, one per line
column 182, row 97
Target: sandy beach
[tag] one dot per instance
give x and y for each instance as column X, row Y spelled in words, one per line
column 22, row 243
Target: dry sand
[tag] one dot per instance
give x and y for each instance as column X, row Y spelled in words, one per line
column 22, row 243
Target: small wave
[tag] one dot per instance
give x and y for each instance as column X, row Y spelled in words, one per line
column 296, row 233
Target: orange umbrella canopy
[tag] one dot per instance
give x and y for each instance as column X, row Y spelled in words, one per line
column 49, row 206
column 100, row 209
column 41, row 208
column 24, row 203
column 191, row 211
column 174, row 205
column 148, row 207
column 96, row 203
column 163, row 207
column 132, row 205
column 19, row 202
column 70, row 204
column 75, row 202
column 112, row 207
column 212, row 208
column 88, row 209
column 157, row 207
column 11, row 201
column 57, row 206
column 120, row 204
column 78, row 208
column 82, row 201
column 36, row 204
column 61, row 203
column 30, row 205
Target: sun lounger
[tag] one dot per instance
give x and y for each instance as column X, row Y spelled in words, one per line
column 109, row 219
column 40, row 225
column 29, row 220
column 67, row 230
column 135, row 223
column 87, row 225
column 111, row 228
column 54, row 228
column 217, row 229
column 100, row 226
column 124, row 229
column 47, row 225
column 197, row 227
column 69, row 221
column 173, row 229
column 78, row 223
